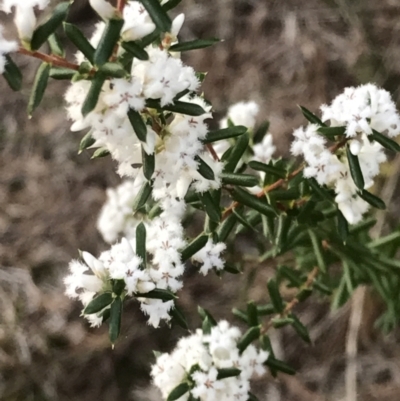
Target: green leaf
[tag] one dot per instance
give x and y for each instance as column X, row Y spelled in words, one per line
column 164, row 295
column 114, row 70
column 55, row 44
column 228, row 372
column 76, row 36
column 118, row 286
column 293, row 276
column 278, row 365
column 12, row 74
column 204, row 169
column 169, row 5
column 86, row 142
column 245, row 198
column 108, row 41
column 240, row 314
column 275, row 295
column 300, row 329
column 100, row 152
column 242, row 219
column 39, row 87
column 237, row 153
column 193, row 45
column 252, row 314
column 142, row 196
column 318, row 252
column 93, row 95
column 141, row 244
column 226, row 227
column 355, row 169
column 331, row 132
column 260, row 132
column 61, row 73
column 148, row 164
column 225, row 133
column 267, row 168
column 195, row 246
column 212, row 209
column 232, row 269
column 341, row 295
column 98, row 303
column 204, row 313
column 178, row 391
column 154, row 37
column 251, row 334
column 157, row 14
column 312, row 118
column 342, row 225
column 384, row 141
column 190, row 109
column 279, row 322
column 138, row 125
column 137, row 51
column 372, row 199
column 267, row 309
column 284, row 223
column 244, row 180
column 43, row 31
column 115, row 320
column 304, row 293
column 179, row 317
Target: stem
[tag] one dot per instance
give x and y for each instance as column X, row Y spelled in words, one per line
column 290, row 305
column 54, row 60
column 213, row 152
column 121, row 5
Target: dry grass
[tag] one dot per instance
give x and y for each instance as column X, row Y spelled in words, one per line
column 278, row 53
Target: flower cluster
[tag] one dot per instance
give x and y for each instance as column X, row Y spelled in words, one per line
column 360, row 112
column 164, row 240
column 200, row 359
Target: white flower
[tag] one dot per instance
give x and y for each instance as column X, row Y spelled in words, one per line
column 137, row 22
column 103, row 8
column 242, row 113
column 210, row 257
column 6, row 46
column 207, row 385
column 25, row 19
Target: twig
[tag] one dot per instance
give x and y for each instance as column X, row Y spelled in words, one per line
column 290, row 305
column 121, row 5
column 212, row 152
column 54, row 60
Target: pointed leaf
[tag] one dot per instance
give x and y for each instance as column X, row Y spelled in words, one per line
column 194, row 247
column 237, row 153
column 342, row 225
column 267, row 168
column 212, row 209
column 245, row 198
column 39, row 87
column 204, row 169
column 164, row 295
column 372, row 199
column 226, row 227
column 138, row 124
column 225, row 133
column 115, row 319
column 61, row 73
column 98, row 303
column 251, row 334
column 385, row 141
column 142, row 196
column 12, row 74
column 114, row 70
column 42, row 32
column 157, row 14
column 193, row 45
column 149, row 163
column 108, row 41
column 318, row 252
column 301, row 330
column 76, row 36
column 190, row 109
column 179, row 317
column 275, row 295
column 311, row 117
column 178, row 391
column 252, row 315
column 228, row 372
column 141, row 244
column 279, row 366
column 93, row 95
column 86, row 142
column 355, row 169
column 137, row 51
column 331, row 132
column 244, row 180
column 55, row 44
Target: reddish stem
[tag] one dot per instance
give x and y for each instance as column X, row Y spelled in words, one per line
column 212, row 151
column 54, row 60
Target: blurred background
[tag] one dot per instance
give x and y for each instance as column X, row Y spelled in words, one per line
column 279, row 53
